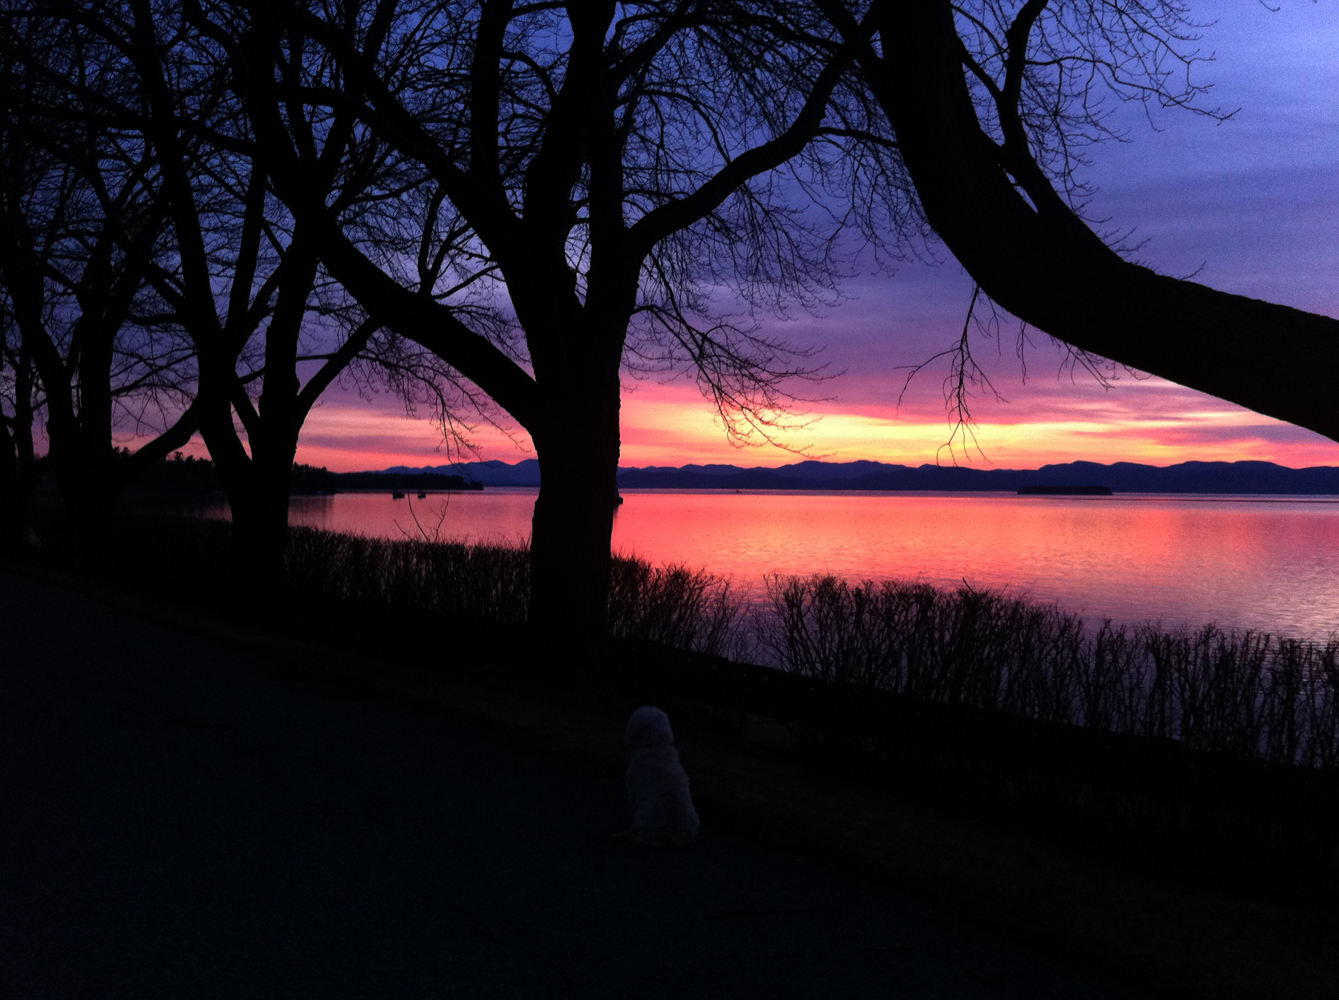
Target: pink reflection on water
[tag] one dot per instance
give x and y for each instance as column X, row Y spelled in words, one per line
column 487, row 517
column 493, row 517
column 1242, row 562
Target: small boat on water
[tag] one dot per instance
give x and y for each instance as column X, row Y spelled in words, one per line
column 422, row 495
column 397, row 495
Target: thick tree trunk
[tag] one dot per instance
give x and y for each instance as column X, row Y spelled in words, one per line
column 85, row 478
column 1045, row 266
column 574, row 514
column 260, row 514
column 79, row 423
column 260, row 527
column 84, row 474
column 234, row 468
column 257, row 488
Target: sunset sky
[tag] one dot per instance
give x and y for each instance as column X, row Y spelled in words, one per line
column 1252, row 205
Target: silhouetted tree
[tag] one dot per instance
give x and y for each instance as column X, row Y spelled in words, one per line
column 235, row 272
column 79, row 226
column 245, row 281
column 606, row 162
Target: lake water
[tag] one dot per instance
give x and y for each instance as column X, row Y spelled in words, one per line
column 1247, row 562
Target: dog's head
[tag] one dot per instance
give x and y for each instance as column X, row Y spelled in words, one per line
column 648, row 727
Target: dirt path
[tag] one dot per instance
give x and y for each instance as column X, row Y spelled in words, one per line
column 179, row 818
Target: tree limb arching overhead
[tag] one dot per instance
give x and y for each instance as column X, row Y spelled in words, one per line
column 1001, row 217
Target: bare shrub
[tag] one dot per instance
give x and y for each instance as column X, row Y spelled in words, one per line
column 673, row 605
column 450, row 579
column 1246, row 692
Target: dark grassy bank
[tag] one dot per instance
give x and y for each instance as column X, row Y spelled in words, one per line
column 1207, row 756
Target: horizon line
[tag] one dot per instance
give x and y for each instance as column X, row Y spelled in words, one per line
column 867, row 461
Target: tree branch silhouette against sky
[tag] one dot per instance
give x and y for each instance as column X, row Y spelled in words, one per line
column 1247, row 206
column 718, row 209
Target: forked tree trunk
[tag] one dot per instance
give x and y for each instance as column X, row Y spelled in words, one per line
column 261, row 535
column 264, row 536
column 574, row 514
column 258, row 484
column 252, row 549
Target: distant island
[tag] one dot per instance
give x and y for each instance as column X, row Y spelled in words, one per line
column 1120, row 477
column 187, row 476
column 1065, row 491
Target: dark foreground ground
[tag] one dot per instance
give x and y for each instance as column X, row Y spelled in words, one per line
column 183, row 818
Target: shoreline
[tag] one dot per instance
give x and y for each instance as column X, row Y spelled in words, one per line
column 1260, row 563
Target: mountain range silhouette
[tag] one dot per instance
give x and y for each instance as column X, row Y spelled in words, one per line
column 1121, row 477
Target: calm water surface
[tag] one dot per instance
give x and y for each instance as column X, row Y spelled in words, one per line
column 1267, row 563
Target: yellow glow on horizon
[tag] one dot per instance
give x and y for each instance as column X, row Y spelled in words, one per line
column 672, row 425
column 1213, row 431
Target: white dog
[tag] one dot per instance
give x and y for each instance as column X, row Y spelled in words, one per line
column 662, row 808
